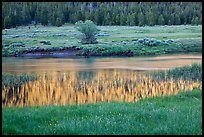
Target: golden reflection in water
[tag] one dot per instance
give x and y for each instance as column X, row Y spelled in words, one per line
column 59, row 88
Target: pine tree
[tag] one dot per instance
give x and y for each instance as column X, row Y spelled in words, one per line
column 150, row 19
column 7, row 22
column 12, row 19
column 161, row 20
column 195, row 20
column 107, row 20
column 135, row 19
column 128, row 22
column 141, row 19
column 200, row 21
column 117, row 13
column 122, row 20
column 172, row 20
column 177, row 20
column 44, row 17
column 117, row 19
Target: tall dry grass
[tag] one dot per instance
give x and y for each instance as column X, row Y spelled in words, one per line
column 105, row 85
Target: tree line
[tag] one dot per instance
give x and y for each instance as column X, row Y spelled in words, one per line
column 102, row 13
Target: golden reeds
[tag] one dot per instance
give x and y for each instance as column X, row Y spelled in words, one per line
column 67, row 88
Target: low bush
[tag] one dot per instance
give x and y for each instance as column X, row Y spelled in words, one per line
column 154, row 42
column 88, row 30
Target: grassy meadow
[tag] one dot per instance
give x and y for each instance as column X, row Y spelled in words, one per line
column 179, row 114
column 113, row 40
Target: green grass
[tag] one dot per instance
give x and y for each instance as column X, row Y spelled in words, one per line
column 187, row 39
column 9, row 79
column 179, row 114
column 192, row 73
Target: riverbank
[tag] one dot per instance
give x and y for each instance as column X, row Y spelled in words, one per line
column 112, row 41
column 118, row 49
column 179, row 114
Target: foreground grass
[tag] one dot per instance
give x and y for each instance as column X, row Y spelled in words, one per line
column 178, row 114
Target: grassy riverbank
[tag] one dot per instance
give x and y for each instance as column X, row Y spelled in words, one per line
column 176, row 114
column 113, row 41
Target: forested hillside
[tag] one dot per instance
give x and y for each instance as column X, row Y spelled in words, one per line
column 102, row 13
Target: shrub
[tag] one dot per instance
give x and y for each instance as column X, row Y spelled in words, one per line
column 154, row 42
column 45, row 42
column 59, row 22
column 88, row 30
column 149, row 41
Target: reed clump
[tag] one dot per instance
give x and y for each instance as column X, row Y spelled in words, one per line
column 60, row 88
column 193, row 72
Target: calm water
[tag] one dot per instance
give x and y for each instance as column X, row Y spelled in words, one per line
column 23, row 65
column 89, row 80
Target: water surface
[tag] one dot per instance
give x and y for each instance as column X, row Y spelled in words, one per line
column 24, row 65
column 64, row 81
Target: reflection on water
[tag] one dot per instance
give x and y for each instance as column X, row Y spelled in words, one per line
column 79, row 87
column 90, row 80
column 27, row 65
